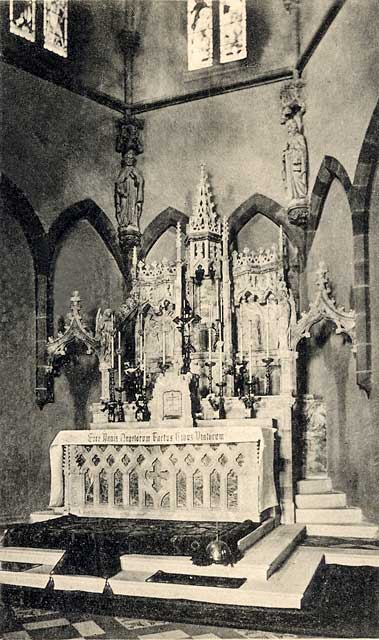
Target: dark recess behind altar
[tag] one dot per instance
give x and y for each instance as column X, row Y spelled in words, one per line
column 58, row 150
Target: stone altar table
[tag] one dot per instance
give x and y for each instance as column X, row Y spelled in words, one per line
column 213, row 472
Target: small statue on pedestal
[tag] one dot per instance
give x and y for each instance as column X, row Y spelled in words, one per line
column 295, row 164
column 129, row 188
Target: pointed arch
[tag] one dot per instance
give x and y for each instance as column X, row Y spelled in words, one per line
column 361, row 206
column 169, row 217
column 330, row 169
column 90, row 211
column 258, row 203
column 19, row 207
column 358, row 195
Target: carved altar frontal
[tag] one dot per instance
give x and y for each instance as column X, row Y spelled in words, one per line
column 209, row 473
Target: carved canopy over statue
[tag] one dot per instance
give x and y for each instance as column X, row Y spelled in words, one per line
column 129, row 193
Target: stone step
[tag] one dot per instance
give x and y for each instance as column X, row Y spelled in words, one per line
column 316, row 485
column 330, row 500
column 287, row 588
column 344, row 515
column 350, row 557
column 30, row 555
column 42, row 516
column 259, row 562
column 37, row 577
column 362, row 530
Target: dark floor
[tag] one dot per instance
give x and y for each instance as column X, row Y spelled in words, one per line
column 344, row 603
column 34, row 624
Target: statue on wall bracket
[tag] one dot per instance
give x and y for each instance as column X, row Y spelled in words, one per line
column 129, row 184
column 295, row 153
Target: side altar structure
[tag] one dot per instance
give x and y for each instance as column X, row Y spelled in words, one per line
column 188, row 460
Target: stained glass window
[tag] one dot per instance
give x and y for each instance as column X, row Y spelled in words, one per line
column 55, row 26
column 200, row 34
column 232, row 30
column 22, row 18
column 226, row 19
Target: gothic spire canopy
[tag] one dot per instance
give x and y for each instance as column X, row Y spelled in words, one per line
column 204, row 219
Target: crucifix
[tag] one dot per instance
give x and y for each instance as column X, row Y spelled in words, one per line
column 184, row 323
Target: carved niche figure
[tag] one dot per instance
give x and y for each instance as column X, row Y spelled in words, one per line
column 295, row 163
column 256, row 330
column 105, row 333
column 129, row 192
column 283, row 324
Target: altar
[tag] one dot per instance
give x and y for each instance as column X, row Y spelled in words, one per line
column 187, row 462
column 214, row 472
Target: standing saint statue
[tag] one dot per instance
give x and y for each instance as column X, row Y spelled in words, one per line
column 129, row 193
column 283, row 324
column 105, row 334
column 295, row 163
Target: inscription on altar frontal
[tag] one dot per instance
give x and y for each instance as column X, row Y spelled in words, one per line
column 156, row 437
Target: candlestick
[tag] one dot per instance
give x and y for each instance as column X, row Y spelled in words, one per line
column 267, row 331
column 163, row 345
column 119, row 359
column 250, row 350
column 144, row 370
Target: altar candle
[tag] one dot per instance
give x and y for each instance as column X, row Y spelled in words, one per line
column 220, row 361
column 140, row 339
column 250, row 350
column 112, row 344
column 267, row 331
column 144, row 369
column 163, row 345
column 119, row 359
column 210, row 334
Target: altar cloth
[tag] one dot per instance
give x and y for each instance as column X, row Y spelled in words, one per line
column 94, row 545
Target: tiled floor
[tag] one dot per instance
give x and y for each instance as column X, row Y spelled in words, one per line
column 34, row 624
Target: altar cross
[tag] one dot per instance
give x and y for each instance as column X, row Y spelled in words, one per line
column 157, row 475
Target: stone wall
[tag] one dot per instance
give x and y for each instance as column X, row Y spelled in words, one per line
column 58, row 148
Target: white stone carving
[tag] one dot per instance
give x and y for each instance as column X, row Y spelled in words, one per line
column 75, row 330
column 324, row 308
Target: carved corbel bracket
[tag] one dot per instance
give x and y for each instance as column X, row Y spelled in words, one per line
column 324, row 308
column 129, row 132
column 290, row 5
column 75, row 331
